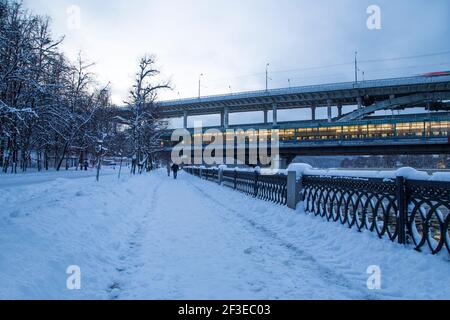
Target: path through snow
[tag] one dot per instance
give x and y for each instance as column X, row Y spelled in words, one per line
column 202, row 241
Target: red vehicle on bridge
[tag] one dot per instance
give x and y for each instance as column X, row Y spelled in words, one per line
column 437, row 74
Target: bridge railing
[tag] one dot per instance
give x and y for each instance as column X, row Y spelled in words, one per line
column 377, row 83
column 407, row 211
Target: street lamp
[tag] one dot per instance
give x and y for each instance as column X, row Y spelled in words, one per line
column 200, row 85
column 267, row 76
column 289, row 80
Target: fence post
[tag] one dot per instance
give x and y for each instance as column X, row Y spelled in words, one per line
column 402, row 210
column 299, row 189
column 220, row 176
column 201, row 173
column 292, row 190
column 235, row 179
column 255, row 186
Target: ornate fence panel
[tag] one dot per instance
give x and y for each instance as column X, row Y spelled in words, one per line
column 362, row 203
column 229, row 179
column 272, row 188
column 211, row 174
column 429, row 214
column 196, row 172
column 246, row 182
column 266, row 187
column 406, row 211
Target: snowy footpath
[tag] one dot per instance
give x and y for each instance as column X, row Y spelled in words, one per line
column 150, row 237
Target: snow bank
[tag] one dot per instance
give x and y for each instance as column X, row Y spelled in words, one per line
column 305, row 169
column 441, row 176
column 150, row 237
column 300, row 168
column 47, row 226
column 407, row 172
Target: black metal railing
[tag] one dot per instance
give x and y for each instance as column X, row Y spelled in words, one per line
column 407, row 211
column 273, row 188
column 210, row 174
column 403, row 210
column 229, row 179
column 193, row 171
column 266, row 187
column 428, row 214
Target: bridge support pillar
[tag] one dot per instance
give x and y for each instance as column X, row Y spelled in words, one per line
column 339, row 110
column 329, row 102
column 313, row 113
column 275, row 114
column 185, row 120
column 359, row 101
column 266, row 118
column 225, row 118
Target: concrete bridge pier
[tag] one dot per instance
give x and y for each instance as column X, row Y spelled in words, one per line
column 339, row 110
column 313, row 113
column 266, row 116
column 359, row 102
column 329, row 102
column 225, row 118
column 185, row 120
column 275, row 114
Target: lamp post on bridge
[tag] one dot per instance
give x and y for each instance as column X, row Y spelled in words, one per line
column 267, row 77
column 200, row 85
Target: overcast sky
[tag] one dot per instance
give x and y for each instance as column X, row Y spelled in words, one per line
column 230, row 41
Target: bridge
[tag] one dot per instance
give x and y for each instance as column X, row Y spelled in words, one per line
column 432, row 92
column 357, row 132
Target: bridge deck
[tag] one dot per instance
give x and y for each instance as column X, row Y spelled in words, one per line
column 308, row 96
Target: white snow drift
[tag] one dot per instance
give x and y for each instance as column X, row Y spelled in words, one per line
column 150, row 237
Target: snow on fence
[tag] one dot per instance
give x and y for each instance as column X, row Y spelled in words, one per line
column 403, row 206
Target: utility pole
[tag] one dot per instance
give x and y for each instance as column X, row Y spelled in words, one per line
column 267, row 77
column 356, row 67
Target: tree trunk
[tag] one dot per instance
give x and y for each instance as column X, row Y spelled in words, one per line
column 66, row 146
column 46, row 159
column 39, row 155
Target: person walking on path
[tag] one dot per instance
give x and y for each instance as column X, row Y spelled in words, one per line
column 175, row 169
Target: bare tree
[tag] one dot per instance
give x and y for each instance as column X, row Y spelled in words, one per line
column 146, row 124
column 52, row 111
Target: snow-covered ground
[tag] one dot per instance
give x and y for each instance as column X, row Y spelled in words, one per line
column 33, row 177
column 150, row 237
